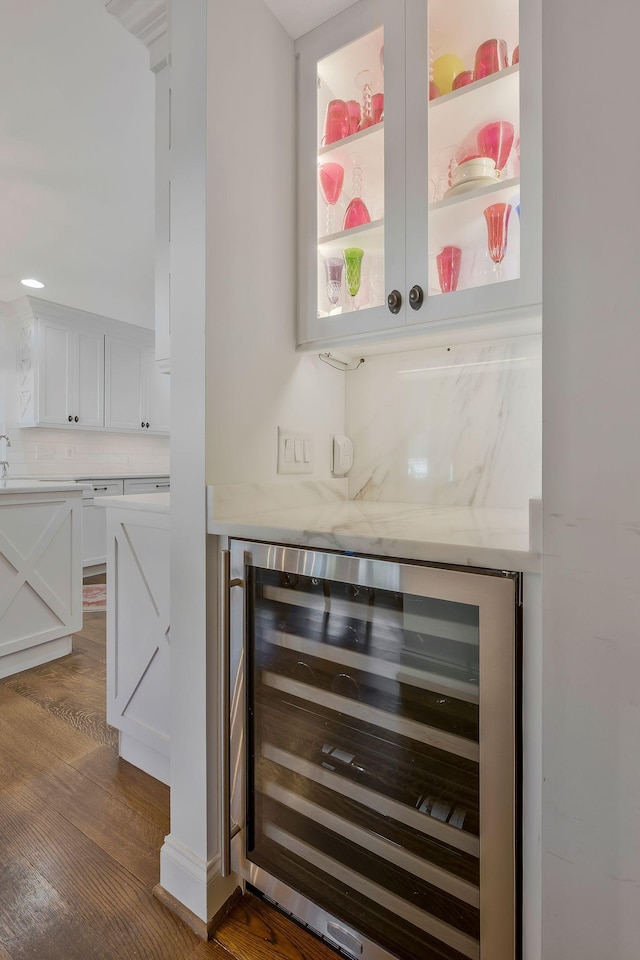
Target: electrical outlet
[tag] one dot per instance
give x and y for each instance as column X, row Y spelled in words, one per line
column 342, row 459
column 45, row 452
column 295, row 451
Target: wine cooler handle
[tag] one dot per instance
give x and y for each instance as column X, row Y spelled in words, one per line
column 227, row 831
column 225, row 744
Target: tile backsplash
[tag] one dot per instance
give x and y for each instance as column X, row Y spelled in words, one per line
column 37, row 452
column 459, row 425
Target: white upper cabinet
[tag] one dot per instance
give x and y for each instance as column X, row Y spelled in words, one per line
column 70, row 376
column 136, row 394
column 81, row 371
column 419, row 146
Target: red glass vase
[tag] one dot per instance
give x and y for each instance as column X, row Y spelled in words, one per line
column 448, row 261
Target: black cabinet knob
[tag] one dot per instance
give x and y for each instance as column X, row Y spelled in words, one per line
column 142, row 424
column 147, row 425
column 76, row 419
column 394, row 301
column 416, row 297
column 70, row 418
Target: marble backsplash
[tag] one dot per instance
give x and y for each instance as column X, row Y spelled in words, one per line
column 458, row 425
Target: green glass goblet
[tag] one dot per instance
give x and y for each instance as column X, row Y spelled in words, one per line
column 353, row 262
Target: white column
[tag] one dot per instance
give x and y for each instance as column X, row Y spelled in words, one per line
column 591, row 471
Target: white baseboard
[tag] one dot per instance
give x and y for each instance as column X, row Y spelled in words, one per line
column 34, row 656
column 145, row 757
column 196, row 883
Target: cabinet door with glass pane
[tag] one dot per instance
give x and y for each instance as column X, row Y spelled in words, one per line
column 351, row 216
column 420, row 184
column 473, row 242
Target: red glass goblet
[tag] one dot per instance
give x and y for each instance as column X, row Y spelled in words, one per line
column 377, row 107
column 462, row 79
column 448, row 261
column 497, row 220
column 495, row 141
column 491, row 56
column 434, row 93
column 336, row 124
column 354, row 115
column 331, row 180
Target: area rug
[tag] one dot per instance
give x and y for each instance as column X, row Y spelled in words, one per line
column 94, row 597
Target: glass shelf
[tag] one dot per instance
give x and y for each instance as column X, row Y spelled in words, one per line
column 473, row 87
column 475, row 195
column 364, row 140
column 372, row 234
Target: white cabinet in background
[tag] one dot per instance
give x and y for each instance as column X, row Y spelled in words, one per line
column 94, row 534
column 81, row 371
column 69, row 389
column 147, row 485
column 138, row 553
column 136, row 393
column 427, row 248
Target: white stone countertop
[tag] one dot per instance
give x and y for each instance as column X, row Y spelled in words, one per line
column 25, row 485
column 151, row 502
column 467, row 536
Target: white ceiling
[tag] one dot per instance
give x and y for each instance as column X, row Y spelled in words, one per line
column 76, row 158
column 300, row 16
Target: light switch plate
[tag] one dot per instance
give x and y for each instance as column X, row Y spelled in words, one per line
column 295, row 451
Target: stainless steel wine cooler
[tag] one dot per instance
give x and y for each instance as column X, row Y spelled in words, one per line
column 369, row 710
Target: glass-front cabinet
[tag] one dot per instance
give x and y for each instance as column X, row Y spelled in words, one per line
column 419, row 166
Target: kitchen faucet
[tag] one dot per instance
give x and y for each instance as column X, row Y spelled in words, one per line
column 4, row 464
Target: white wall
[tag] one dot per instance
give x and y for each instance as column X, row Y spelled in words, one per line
column 591, row 485
column 449, row 425
column 256, row 380
column 77, row 158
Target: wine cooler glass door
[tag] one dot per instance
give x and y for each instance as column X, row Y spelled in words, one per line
column 379, row 725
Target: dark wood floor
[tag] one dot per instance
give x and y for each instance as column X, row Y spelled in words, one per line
column 81, row 831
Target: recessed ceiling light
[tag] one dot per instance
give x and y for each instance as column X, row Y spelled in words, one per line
column 30, row 282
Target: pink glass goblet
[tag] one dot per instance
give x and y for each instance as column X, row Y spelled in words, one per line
column 333, row 270
column 495, row 141
column 356, row 214
column 491, row 56
column 516, row 55
column 497, row 220
column 448, row 261
column 462, row 79
column 377, row 107
column 336, row 123
column 354, row 115
column 331, row 180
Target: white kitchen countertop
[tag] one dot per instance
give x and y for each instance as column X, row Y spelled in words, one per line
column 467, row 536
column 152, row 502
column 25, row 485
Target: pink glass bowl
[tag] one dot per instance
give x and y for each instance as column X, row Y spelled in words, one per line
column 448, row 261
column 495, row 140
column 356, row 214
column 491, row 56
